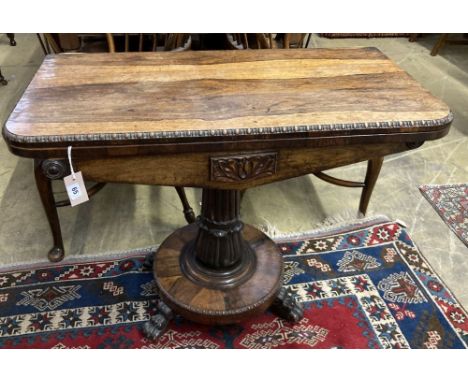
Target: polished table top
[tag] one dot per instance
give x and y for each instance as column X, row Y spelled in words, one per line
column 139, row 98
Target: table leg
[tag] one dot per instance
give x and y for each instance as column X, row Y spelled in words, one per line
column 439, row 44
column 45, row 172
column 413, row 37
column 218, row 270
column 11, row 36
column 373, row 170
column 44, row 49
column 188, row 211
column 3, row 81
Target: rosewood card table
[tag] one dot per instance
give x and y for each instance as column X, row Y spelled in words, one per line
column 223, row 121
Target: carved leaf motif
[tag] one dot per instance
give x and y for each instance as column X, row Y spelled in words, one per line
column 239, row 168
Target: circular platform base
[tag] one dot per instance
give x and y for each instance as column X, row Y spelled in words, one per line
column 215, row 304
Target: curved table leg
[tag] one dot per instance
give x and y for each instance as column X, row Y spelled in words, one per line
column 373, row 170
column 45, row 172
column 44, row 186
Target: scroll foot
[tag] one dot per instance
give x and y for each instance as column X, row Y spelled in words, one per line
column 56, row 254
column 157, row 324
column 286, row 306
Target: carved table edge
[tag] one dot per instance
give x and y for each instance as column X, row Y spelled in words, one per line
column 12, row 137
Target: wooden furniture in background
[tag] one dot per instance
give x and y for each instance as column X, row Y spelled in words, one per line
column 52, row 43
column 237, row 40
column 446, row 39
column 150, row 42
column 116, row 42
column 73, row 42
column 11, row 37
column 413, row 37
column 266, row 40
column 48, row 43
column 224, row 121
column 363, row 35
column 43, row 43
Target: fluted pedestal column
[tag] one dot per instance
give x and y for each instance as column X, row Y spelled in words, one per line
column 219, row 243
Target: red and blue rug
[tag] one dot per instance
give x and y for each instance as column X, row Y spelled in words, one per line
column 451, row 203
column 362, row 286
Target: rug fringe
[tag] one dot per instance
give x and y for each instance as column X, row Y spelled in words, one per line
column 104, row 256
column 442, row 185
column 330, row 223
column 346, row 219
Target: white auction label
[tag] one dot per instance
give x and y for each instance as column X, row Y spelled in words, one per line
column 76, row 189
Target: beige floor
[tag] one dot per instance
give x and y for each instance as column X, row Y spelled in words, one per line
column 123, row 216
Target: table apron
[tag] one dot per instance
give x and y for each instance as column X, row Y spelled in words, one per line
column 233, row 170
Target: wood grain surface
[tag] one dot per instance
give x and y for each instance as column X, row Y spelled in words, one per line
column 127, row 96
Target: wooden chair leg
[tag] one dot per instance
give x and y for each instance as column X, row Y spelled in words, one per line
column 413, row 37
column 373, row 169
column 439, row 44
column 44, row 49
column 11, row 36
column 286, row 40
column 110, row 42
column 52, row 43
column 3, row 81
column 188, row 212
column 44, row 186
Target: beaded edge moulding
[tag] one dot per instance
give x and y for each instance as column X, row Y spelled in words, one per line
column 223, row 132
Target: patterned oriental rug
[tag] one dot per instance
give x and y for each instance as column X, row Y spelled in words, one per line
column 451, row 203
column 364, row 285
